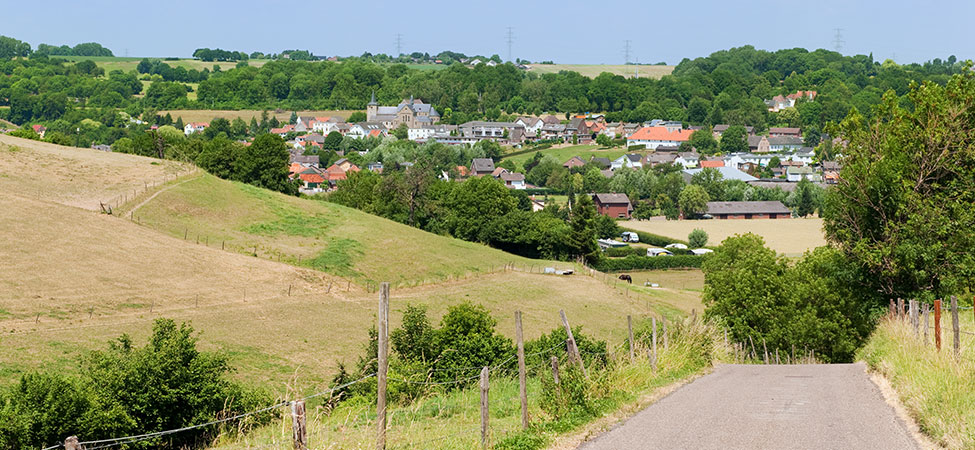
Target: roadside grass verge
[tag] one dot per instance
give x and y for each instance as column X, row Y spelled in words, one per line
column 937, row 388
column 451, row 420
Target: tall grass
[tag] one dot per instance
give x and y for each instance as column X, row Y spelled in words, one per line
column 451, row 420
column 937, row 388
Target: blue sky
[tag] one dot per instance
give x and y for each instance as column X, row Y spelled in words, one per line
column 567, row 31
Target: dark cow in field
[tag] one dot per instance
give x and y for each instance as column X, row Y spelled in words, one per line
column 626, row 278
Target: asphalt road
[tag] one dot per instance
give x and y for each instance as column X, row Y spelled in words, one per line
column 767, row 407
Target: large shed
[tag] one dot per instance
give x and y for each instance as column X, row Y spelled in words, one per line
column 749, row 210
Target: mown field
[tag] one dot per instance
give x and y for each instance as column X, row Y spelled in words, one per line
column 74, row 278
column 125, row 64
column 593, row 70
column 791, row 237
column 564, row 153
column 206, row 115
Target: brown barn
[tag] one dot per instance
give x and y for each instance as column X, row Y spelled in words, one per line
column 749, row 210
column 613, row 205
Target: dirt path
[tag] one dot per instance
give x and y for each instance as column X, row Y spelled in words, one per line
column 143, row 203
column 767, row 407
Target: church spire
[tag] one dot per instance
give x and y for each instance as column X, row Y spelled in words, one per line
column 373, row 101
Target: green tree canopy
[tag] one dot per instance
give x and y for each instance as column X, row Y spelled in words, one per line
column 693, row 201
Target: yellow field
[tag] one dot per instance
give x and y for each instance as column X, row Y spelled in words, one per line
column 125, row 64
column 791, row 237
column 206, row 115
column 593, row 70
column 74, row 278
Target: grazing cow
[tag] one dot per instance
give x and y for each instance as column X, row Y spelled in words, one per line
column 626, row 278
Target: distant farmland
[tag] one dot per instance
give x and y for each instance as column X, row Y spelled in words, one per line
column 206, row 115
column 593, row 70
column 126, row 64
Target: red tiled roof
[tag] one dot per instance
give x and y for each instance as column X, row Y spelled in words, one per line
column 375, row 133
column 715, row 163
column 311, row 178
column 660, row 134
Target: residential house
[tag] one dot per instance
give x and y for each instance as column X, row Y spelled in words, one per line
column 656, row 158
column 428, row 132
column 785, row 131
column 780, row 102
column 491, row 130
column 687, row 159
column 749, row 210
column 653, row 137
column 498, row 171
column 765, row 144
column 552, row 131
column 514, row 180
column 613, row 205
column 41, row 130
column 375, row 167
column 601, row 162
column 283, row 131
column 531, row 124
column 304, row 124
column 798, row 173
column 712, row 163
column 629, row 160
column 551, row 120
column 366, row 129
column 305, row 160
column 311, row 182
column 482, row 166
column 727, row 173
column 195, row 127
column 718, row 130
column 574, row 161
column 413, row 113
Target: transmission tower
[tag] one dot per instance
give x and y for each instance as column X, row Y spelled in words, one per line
column 510, row 39
column 399, row 44
column 838, row 39
column 626, row 51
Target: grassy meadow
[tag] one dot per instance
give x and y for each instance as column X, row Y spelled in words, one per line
column 564, row 153
column 593, row 70
column 936, row 388
column 791, row 237
column 125, row 64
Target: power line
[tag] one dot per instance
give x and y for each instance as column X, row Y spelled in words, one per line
column 510, row 39
column 838, row 39
column 626, row 51
column 399, row 44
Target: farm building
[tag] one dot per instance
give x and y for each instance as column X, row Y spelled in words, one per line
column 749, row 210
column 613, row 205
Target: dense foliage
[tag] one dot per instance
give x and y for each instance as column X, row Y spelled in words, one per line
column 128, row 390
column 83, row 49
column 903, row 207
column 815, row 304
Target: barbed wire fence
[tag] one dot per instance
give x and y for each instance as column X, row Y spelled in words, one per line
column 560, row 354
column 924, row 316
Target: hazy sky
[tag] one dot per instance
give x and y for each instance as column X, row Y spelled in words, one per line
column 566, row 31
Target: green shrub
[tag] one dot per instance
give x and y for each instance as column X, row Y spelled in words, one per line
column 636, row 262
column 593, row 350
column 698, row 238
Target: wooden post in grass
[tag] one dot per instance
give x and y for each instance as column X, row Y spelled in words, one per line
column 777, row 356
column 765, row 349
column 485, row 410
column 937, row 324
column 793, row 353
column 289, row 290
column 71, row 443
column 629, row 327
column 900, row 308
column 383, row 366
column 555, row 369
column 653, row 336
column 522, row 376
column 666, row 335
column 752, row 341
column 299, row 432
column 890, row 309
column 954, row 325
column 925, row 319
column 573, row 350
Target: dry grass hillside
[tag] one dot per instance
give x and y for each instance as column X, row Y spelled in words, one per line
column 76, row 176
column 791, row 237
column 74, row 278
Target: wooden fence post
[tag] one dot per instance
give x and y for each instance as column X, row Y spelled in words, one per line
column 777, row 356
column 522, row 376
column 937, row 324
column 71, row 443
column 383, row 366
column 653, row 359
column 299, row 431
column 666, row 335
column 629, row 327
column 765, row 349
column 954, row 325
column 900, row 308
column 752, row 341
column 573, row 349
column 485, row 410
column 925, row 319
column 890, row 309
column 555, row 369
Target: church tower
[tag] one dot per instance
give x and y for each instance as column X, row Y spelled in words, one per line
column 372, row 109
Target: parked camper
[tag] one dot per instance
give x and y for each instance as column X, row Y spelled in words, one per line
column 676, row 245
column 629, row 236
column 654, row 251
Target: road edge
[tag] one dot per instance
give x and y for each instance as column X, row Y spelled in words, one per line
column 608, row 422
column 892, row 398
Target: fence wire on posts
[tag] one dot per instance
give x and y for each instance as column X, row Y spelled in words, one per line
column 918, row 316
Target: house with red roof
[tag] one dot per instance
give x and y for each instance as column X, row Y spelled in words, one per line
column 195, row 127
column 39, row 129
column 312, row 181
column 712, row 163
column 653, row 137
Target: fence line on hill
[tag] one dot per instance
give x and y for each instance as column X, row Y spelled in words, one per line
column 572, row 356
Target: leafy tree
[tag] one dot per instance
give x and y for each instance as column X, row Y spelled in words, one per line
column 693, row 201
column 356, row 117
column 703, row 140
column 264, row 163
column 604, row 140
column 806, row 198
column 710, row 179
column 333, row 141
column 490, row 148
column 697, row 238
column 582, row 238
column 11, row 48
column 902, row 208
column 401, row 132
column 734, row 139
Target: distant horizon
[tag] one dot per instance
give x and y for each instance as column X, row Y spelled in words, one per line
column 577, row 32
